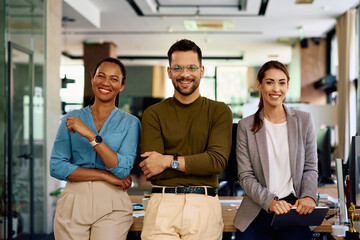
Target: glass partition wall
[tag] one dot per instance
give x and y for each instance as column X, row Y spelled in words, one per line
column 357, row 32
column 22, row 115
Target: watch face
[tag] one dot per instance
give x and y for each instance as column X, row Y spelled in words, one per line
column 98, row 139
column 174, row 164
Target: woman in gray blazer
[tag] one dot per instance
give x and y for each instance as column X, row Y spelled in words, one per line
column 276, row 160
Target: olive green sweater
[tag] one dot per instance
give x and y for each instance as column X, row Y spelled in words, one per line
column 200, row 131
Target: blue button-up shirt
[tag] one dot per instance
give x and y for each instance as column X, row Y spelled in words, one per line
column 121, row 132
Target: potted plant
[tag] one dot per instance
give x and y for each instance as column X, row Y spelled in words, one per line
column 16, row 221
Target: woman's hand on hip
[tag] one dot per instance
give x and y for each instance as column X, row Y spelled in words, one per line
column 305, row 205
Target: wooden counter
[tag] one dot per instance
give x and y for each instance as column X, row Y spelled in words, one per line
column 228, row 213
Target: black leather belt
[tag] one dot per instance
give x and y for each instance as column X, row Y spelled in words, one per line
column 182, row 190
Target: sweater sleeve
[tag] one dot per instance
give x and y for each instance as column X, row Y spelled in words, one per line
column 215, row 157
column 152, row 140
column 151, row 137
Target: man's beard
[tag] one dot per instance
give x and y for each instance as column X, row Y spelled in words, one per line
column 189, row 91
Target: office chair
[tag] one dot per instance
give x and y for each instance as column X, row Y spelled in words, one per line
column 228, row 181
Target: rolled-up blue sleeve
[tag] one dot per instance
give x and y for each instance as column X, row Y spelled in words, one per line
column 127, row 151
column 60, row 160
column 121, row 132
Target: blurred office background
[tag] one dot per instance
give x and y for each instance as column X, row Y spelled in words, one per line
column 48, row 49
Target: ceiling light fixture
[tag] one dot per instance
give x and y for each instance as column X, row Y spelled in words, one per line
column 304, row 1
column 196, row 25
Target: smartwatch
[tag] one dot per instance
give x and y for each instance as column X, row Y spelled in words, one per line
column 97, row 140
column 175, row 163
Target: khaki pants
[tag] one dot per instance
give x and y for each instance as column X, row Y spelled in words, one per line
column 183, row 216
column 92, row 210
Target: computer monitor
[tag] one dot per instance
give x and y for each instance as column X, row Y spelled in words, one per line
column 354, row 170
column 324, row 156
column 341, row 190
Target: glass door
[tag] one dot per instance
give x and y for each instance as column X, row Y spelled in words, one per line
column 20, row 159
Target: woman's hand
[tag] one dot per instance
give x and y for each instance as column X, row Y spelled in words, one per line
column 75, row 124
column 280, row 207
column 305, row 205
column 124, row 184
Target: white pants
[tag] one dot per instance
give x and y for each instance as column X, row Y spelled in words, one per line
column 183, row 216
column 92, row 210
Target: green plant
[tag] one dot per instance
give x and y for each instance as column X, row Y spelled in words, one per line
column 56, row 192
column 3, row 198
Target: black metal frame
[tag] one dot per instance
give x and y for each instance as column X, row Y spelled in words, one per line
column 239, row 6
column 12, row 46
column 66, row 54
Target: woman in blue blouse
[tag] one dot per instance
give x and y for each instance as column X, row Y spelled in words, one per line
column 94, row 151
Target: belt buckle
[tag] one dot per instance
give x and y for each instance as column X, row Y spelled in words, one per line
column 176, row 190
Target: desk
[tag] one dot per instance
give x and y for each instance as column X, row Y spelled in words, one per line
column 332, row 191
column 228, row 214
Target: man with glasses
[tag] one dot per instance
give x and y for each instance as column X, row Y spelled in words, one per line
column 185, row 143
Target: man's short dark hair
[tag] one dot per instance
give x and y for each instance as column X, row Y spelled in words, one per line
column 184, row 45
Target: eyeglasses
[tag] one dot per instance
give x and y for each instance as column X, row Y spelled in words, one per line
column 180, row 69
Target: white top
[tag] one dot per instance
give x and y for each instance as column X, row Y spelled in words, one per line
column 281, row 182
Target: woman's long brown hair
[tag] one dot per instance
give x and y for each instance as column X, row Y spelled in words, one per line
column 258, row 123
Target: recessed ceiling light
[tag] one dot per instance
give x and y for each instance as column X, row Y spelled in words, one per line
column 194, row 25
column 284, row 40
column 304, row 1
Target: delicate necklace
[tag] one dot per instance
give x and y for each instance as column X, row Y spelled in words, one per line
column 99, row 123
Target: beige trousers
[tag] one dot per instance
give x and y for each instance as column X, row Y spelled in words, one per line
column 92, row 210
column 183, row 216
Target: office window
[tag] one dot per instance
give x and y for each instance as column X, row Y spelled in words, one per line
column 208, row 83
column 71, row 94
column 207, row 87
column 232, row 85
column 334, row 60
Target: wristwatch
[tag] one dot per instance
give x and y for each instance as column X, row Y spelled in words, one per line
column 175, row 163
column 97, row 140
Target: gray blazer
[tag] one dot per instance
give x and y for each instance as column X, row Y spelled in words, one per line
column 253, row 163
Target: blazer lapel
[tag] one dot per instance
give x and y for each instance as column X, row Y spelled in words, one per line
column 292, row 138
column 261, row 144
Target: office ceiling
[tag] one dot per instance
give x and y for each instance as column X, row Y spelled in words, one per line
column 241, row 32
